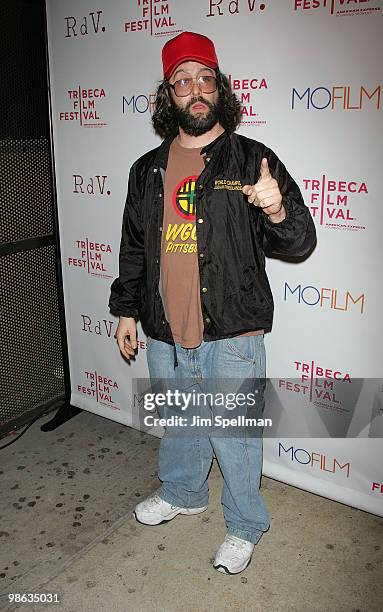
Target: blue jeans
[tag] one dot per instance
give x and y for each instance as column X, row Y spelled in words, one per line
column 185, row 460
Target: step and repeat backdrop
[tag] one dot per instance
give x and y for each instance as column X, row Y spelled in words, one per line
column 308, row 75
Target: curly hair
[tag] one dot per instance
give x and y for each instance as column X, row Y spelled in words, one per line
column 230, row 109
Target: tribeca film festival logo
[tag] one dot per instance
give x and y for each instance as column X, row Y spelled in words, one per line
column 329, row 202
column 99, row 388
column 92, row 257
column 340, row 8
column 244, row 88
column 320, row 386
column 325, row 297
column 93, row 185
column 154, row 17
column 315, row 460
column 337, row 98
column 86, row 105
column 83, row 26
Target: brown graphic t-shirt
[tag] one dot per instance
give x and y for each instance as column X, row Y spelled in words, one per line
column 179, row 261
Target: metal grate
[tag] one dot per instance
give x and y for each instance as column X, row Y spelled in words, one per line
column 31, row 311
column 30, row 345
column 25, row 189
column 23, row 99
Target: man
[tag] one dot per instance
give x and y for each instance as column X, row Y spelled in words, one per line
column 201, row 211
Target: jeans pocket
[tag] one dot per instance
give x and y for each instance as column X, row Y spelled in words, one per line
column 242, row 347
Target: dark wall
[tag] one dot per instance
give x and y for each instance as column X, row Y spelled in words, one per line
column 23, row 101
column 31, row 308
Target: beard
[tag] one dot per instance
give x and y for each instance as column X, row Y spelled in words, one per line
column 196, row 125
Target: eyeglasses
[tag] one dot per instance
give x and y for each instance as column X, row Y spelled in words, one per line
column 183, row 87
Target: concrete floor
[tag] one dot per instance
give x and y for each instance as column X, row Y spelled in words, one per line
column 66, row 528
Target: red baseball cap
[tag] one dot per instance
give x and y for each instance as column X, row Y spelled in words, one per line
column 188, row 46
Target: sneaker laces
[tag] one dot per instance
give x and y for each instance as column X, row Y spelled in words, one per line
column 236, row 542
column 156, row 499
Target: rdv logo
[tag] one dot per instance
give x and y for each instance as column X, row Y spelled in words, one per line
column 232, row 7
column 90, row 25
column 100, row 327
column 94, row 185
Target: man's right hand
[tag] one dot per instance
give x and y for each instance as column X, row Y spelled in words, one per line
column 126, row 335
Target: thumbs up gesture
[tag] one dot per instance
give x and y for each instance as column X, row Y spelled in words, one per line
column 265, row 194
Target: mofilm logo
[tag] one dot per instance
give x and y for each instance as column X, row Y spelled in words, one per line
column 337, row 98
column 325, row 297
column 138, row 103
column 315, row 460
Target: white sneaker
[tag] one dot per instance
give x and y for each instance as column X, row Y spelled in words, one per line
column 154, row 510
column 233, row 556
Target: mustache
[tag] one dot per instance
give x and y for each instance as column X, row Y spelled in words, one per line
column 199, row 99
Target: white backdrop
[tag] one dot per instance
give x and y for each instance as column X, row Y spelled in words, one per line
column 308, row 74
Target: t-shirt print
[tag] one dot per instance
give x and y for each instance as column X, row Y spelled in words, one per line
column 179, row 262
column 180, row 237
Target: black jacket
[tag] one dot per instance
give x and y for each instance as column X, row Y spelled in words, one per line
column 232, row 239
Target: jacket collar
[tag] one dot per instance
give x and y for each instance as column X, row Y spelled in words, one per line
column 161, row 158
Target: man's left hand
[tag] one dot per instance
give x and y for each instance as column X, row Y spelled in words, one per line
column 265, row 194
